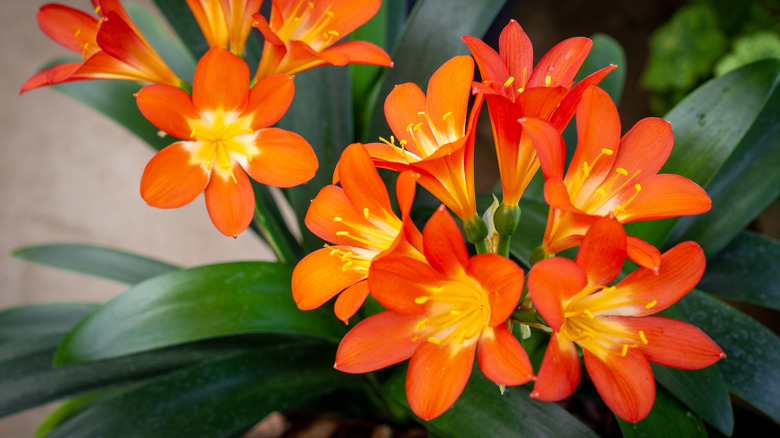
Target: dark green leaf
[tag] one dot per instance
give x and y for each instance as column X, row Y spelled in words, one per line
column 365, row 78
column 533, row 220
column 70, row 408
column 114, row 99
column 188, row 305
column 747, row 183
column 703, row 391
column 180, row 17
column 483, row 411
column 753, row 351
column 431, row 37
column 667, row 418
column 219, row 398
column 322, row 113
column 97, row 261
column 40, row 320
column 606, row 50
column 746, row 270
column 712, row 124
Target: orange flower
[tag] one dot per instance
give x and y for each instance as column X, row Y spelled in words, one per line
column 434, row 137
column 224, row 126
column 111, row 47
column 515, row 90
column 612, row 324
column 359, row 220
column 612, row 175
column 441, row 314
column 302, row 35
column 225, row 23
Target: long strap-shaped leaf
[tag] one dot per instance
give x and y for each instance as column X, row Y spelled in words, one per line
column 193, row 304
column 95, row 260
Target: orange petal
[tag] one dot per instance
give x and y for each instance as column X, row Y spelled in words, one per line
column 168, row 108
column 448, row 93
column 624, row 382
column 502, row 279
column 603, row 251
column 561, row 63
column 269, row 100
column 120, row 39
column 284, row 159
column 51, row 75
column 548, row 144
column 170, row 180
column 550, row 283
column 642, row 253
column 517, row 52
column 662, row 196
column 517, row 161
column 540, row 101
column 377, row 342
column 348, row 15
column 598, row 127
column 436, row 377
column 230, row 200
column 397, row 281
column 402, row 107
column 363, row 185
column 69, row 27
column 350, row 300
column 491, row 67
column 405, row 187
column 560, row 371
column 502, row 358
column 359, row 52
column 221, row 81
column 681, row 268
column 319, row 276
column 332, row 202
column 557, row 195
column 674, row 343
column 645, row 147
column 443, row 244
column 562, row 116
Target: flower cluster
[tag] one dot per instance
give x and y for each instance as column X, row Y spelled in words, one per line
column 443, row 306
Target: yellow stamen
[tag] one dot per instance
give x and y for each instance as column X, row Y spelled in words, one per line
column 642, row 337
column 651, row 304
column 421, row 300
column 625, row 350
column 547, row 81
column 509, row 81
column 434, row 340
column 365, row 212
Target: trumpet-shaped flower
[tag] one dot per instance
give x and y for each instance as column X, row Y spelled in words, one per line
column 225, row 23
column 613, row 324
column 514, row 89
column 359, row 222
column 302, row 34
column 111, row 47
column 224, row 128
column 610, row 175
column 440, row 314
column 435, row 138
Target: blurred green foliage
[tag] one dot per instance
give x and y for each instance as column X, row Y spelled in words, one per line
column 706, row 38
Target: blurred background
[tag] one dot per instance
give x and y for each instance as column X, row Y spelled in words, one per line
column 70, row 175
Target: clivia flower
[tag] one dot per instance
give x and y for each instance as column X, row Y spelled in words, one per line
column 514, row 89
column 434, row 136
column 613, row 324
column 440, row 314
column 225, row 23
column 224, row 127
column 111, row 47
column 359, row 222
column 303, row 34
column 610, row 175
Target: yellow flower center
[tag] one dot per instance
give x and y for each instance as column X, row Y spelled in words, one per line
column 584, row 325
column 594, row 201
column 459, row 312
column 223, row 138
column 373, row 238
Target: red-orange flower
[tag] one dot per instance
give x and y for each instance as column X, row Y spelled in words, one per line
column 358, row 219
column 224, row 126
column 612, row 324
column 111, row 47
column 302, row 34
column 515, row 90
column 225, row 23
column 435, row 138
column 612, row 175
column 441, row 314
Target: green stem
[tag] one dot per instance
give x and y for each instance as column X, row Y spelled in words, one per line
column 503, row 244
column 528, row 316
column 481, row 246
column 272, row 234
